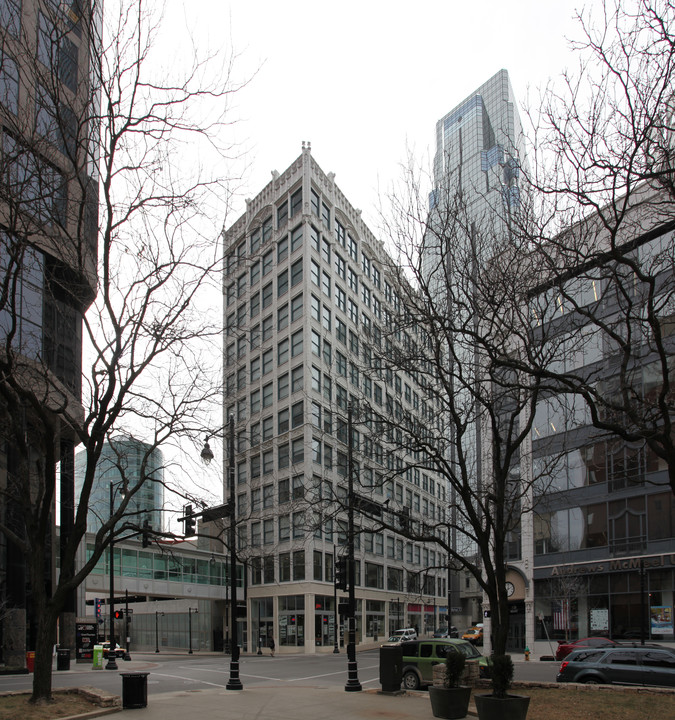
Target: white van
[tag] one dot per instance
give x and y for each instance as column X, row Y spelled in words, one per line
column 403, row 635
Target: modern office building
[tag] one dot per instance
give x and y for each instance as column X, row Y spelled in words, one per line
column 48, row 221
column 125, row 460
column 604, row 525
column 306, row 292
column 476, row 195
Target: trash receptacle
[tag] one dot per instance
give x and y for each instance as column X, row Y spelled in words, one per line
column 63, row 659
column 134, row 690
column 97, row 658
column 391, row 668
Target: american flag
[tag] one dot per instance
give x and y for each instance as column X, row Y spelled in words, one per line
column 561, row 617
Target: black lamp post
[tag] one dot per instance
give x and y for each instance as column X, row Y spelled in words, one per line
column 234, row 683
column 190, row 611
column 111, row 664
column 353, row 684
column 157, row 614
column 336, row 650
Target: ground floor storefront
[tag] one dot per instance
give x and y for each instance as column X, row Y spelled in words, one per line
column 620, row 598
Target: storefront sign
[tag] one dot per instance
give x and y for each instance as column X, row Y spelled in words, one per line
column 615, row 565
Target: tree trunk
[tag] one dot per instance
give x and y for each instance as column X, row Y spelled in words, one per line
column 44, row 644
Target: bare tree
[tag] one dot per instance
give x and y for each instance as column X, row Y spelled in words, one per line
column 108, row 208
column 603, row 177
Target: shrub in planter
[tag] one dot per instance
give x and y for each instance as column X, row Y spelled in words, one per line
column 500, row 705
column 451, row 701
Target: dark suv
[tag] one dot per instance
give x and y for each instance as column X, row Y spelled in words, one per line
column 637, row 665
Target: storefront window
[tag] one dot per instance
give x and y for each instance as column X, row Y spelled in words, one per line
column 292, row 620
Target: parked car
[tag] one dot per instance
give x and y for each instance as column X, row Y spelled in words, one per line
column 638, row 665
column 566, row 647
column 119, row 651
column 403, row 635
column 443, row 632
column 420, row 656
column 474, row 634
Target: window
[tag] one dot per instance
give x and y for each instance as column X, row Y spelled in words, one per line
column 282, row 214
column 282, row 317
column 267, row 295
column 283, row 455
column 255, row 468
column 282, row 421
column 315, row 273
column 353, row 312
column 282, row 283
column 341, row 331
column 255, row 273
column 298, row 525
column 314, row 202
column 325, row 251
column 297, row 382
column 284, row 525
column 316, row 343
column 315, row 310
column 352, row 248
column 326, row 322
column 327, row 388
column 282, row 386
column 255, row 401
column 340, row 266
column 267, row 262
column 282, row 250
column 282, row 352
column 314, row 238
column 325, row 284
column 316, row 379
column 267, row 462
column 299, row 565
column 296, row 272
column 267, row 361
column 296, row 202
column 9, row 81
column 296, row 343
column 267, row 395
column 296, row 308
column 341, row 299
column 327, row 352
column 255, row 369
column 267, row 428
column 296, row 238
column 284, row 567
column 284, row 492
column 340, row 233
column 353, row 281
column 267, row 328
column 325, row 216
column 297, row 414
column 298, row 487
column 341, row 364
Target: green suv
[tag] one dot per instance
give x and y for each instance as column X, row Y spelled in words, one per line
column 420, row 656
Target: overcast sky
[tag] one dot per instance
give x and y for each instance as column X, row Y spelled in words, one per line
column 364, row 81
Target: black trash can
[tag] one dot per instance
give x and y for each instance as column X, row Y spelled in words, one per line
column 391, row 668
column 134, row 689
column 63, row 659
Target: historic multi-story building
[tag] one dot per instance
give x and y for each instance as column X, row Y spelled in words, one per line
column 48, row 222
column 306, row 291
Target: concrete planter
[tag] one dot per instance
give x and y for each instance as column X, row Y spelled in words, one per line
column 449, row 703
column 512, row 707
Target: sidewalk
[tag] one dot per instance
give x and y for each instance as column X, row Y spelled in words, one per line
column 282, row 703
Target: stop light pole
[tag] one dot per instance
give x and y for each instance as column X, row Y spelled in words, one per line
column 353, row 684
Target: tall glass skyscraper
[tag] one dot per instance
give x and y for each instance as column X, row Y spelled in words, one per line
column 123, row 458
column 479, row 150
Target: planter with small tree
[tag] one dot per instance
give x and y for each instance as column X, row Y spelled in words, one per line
column 451, row 700
column 501, row 705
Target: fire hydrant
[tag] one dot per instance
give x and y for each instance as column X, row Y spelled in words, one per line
column 527, row 654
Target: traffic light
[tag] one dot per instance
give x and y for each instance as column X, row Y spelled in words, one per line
column 190, row 521
column 147, row 529
column 119, row 614
column 341, row 575
column 97, row 608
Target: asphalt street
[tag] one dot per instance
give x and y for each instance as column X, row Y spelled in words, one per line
column 169, row 673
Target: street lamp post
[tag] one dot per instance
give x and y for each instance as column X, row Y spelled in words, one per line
column 336, row 650
column 190, row 611
column 353, row 684
column 234, row 683
column 157, row 614
column 111, row 664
